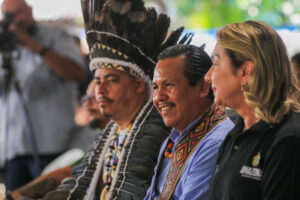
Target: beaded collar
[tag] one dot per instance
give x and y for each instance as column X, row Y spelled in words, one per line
column 112, row 158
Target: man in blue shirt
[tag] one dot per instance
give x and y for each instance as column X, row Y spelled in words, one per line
column 185, row 101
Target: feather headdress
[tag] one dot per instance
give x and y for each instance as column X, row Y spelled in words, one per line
column 125, row 35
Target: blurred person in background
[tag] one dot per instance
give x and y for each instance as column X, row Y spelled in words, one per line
column 82, row 86
column 296, row 67
column 39, row 94
column 83, row 135
column 82, row 115
column 95, row 118
column 48, row 182
column 251, row 74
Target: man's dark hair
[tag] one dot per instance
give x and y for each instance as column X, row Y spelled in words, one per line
column 196, row 62
column 296, row 65
column 95, row 124
column 296, row 59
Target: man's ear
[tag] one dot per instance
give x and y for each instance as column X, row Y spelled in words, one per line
column 247, row 69
column 140, row 85
column 204, row 88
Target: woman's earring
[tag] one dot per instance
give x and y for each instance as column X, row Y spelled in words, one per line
column 243, row 87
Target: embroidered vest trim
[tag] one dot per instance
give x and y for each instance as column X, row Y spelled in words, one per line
column 213, row 116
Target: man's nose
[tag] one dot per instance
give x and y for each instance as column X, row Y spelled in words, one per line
column 159, row 95
column 207, row 76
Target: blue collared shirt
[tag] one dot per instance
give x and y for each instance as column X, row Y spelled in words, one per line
column 195, row 178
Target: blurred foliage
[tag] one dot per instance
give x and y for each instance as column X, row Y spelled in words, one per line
column 206, row 14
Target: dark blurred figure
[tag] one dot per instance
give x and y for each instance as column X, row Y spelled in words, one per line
column 81, row 115
column 92, row 122
column 82, row 86
column 39, row 95
column 296, row 66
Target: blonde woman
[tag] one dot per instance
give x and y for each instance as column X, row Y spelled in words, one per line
column 251, row 74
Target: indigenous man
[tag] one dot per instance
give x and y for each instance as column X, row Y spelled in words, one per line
column 124, row 39
column 185, row 101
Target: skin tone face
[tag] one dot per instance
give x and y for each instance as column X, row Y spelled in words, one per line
column 21, row 11
column 90, row 104
column 118, row 95
column 178, row 103
column 225, row 84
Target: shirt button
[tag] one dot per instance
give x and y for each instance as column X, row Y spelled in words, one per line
column 236, row 147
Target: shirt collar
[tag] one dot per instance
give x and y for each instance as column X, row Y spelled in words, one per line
column 260, row 126
column 176, row 136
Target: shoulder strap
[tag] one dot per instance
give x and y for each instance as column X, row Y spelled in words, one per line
column 188, row 145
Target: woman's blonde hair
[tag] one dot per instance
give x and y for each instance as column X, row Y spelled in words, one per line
column 271, row 88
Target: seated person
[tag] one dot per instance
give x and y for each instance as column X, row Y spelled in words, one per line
column 185, row 101
column 121, row 162
column 259, row 159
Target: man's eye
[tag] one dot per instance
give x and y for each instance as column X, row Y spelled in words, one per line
column 112, row 80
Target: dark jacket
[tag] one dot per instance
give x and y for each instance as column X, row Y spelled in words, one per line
column 137, row 162
column 260, row 163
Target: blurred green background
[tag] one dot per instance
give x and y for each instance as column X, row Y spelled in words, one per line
column 203, row 17
column 194, row 14
column 206, row 14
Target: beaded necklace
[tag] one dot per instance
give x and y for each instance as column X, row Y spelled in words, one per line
column 168, row 150
column 112, row 158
